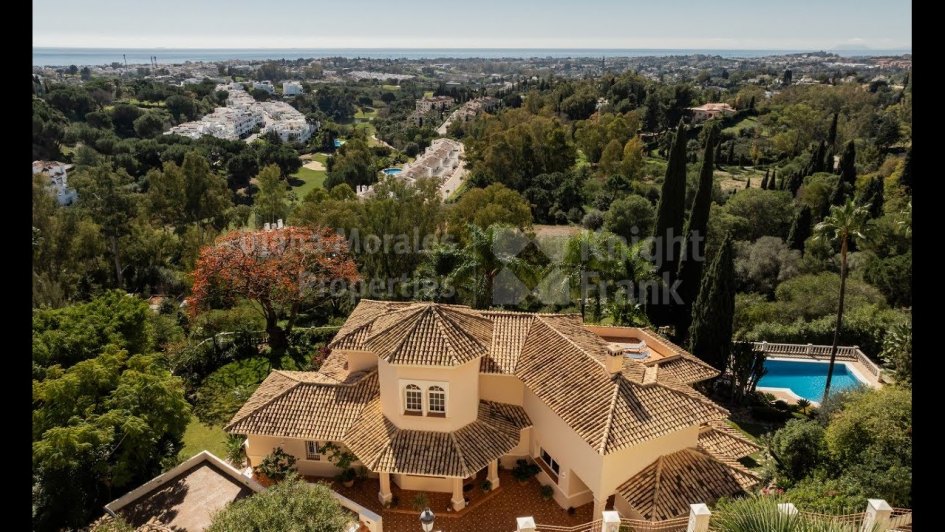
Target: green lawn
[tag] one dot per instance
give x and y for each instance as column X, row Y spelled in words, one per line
column 320, row 157
column 365, row 113
column 391, row 87
column 199, row 437
column 747, row 122
column 310, row 180
column 428, row 94
column 751, row 429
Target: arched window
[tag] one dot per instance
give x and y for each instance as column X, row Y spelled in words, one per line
column 437, row 401
column 413, row 399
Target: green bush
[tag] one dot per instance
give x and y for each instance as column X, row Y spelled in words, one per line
column 277, row 465
column 798, row 448
column 290, row 505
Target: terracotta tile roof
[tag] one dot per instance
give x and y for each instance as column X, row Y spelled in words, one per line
column 508, row 334
column 299, row 404
column 608, row 412
column 430, row 335
column 723, row 441
column 335, row 367
column 352, row 334
column 666, row 488
column 381, row 446
column 685, row 370
column 680, row 365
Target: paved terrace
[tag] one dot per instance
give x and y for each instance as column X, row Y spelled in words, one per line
column 494, row 511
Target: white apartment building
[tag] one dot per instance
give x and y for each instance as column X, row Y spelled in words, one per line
column 291, row 88
column 264, row 85
column 58, row 180
column 244, row 114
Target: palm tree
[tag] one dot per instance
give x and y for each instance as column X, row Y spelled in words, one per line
column 845, row 223
column 485, row 254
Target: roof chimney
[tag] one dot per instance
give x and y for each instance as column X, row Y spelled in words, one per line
column 614, row 359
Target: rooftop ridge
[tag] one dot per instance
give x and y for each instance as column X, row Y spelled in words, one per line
column 610, row 419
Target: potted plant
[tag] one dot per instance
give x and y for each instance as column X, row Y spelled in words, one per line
column 547, row 492
column 342, row 460
column 347, row 477
column 421, row 501
column 485, row 486
column 524, row 470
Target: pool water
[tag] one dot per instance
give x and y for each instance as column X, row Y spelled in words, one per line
column 807, row 379
column 392, row 171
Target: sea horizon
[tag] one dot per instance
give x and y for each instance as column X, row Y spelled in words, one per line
column 79, row 56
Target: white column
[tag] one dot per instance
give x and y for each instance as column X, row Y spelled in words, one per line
column 699, row 516
column 525, row 524
column 599, row 505
column 878, row 513
column 787, row 508
column 459, row 502
column 385, row 495
column 610, row 521
column 493, row 476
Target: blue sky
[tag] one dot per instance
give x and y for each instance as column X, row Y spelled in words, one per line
column 716, row 24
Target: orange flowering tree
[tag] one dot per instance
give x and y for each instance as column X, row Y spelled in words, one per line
column 278, row 269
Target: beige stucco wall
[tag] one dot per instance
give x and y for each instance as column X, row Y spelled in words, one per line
column 501, row 388
column 623, row 464
column 462, row 401
column 585, row 474
column 360, row 360
column 625, row 510
column 572, row 453
column 417, row 483
column 258, row 447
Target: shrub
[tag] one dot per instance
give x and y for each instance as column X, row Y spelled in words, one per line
column 524, row 470
column 277, row 465
column 798, row 448
column 486, row 485
column 769, row 414
column 421, row 501
column 547, row 491
column 290, row 505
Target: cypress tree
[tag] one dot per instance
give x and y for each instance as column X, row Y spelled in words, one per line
column 766, row 173
column 872, row 197
column 671, row 211
column 848, row 165
column 795, row 182
column 670, row 217
column 764, row 182
column 832, row 133
column 817, row 159
column 748, row 183
column 731, row 153
column 839, row 194
column 800, row 229
column 905, row 179
column 781, row 184
column 751, row 103
column 693, row 251
column 710, row 336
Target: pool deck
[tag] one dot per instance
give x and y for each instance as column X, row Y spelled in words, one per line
column 857, row 368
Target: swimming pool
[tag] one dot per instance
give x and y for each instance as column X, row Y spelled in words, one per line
column 392, row 171
column 807, row 378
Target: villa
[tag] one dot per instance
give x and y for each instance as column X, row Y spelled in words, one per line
column 428, row 396
column 711, row 110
